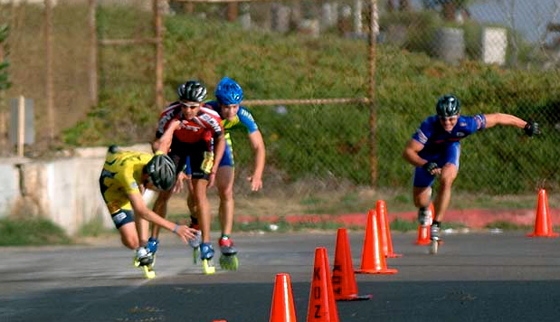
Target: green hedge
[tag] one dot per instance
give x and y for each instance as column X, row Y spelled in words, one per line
column 325, row 141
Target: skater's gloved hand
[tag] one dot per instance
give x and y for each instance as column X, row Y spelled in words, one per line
column 432, row 168
column 532, row 128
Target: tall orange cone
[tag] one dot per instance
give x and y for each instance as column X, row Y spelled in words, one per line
column 373, row 260
column 385, row 229
column 424, row 231
column 282, row 308
column 543, row 222
column 343, row 279
column 322, row 305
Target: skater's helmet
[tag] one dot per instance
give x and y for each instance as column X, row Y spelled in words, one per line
column 161, row 170
column 192, row 91
column 448, row 105
column 228, row 92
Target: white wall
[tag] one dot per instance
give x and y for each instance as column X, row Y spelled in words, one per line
column 65, row 190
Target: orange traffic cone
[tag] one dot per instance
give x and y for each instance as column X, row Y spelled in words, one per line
column 424, row 231
column 373, row 260
column 343, row 279
column 543, row 222
column 282, row 308
column 322, row 305
column 385, row 229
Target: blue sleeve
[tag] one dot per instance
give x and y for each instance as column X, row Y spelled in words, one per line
column 475, row 123
column 246, row 118
column 425, row 131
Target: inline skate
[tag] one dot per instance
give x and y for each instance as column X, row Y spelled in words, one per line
column 228, row 259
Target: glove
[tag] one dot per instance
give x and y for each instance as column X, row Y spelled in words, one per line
column 430, row 166
column 532, row 128
column 208, row 162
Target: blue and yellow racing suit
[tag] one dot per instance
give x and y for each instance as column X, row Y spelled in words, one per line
column 243, row 119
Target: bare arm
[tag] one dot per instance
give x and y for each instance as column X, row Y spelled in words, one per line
column 257, row 143
column 141, row 209
column 219, row 148
column 504, row 119
column 164, row 142
column 411, row 151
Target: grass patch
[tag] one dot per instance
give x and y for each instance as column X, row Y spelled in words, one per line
column 505, row 225
column 403, row 225
column 94, row 228
column 31, row 232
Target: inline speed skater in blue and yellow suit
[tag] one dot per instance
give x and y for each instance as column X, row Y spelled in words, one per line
column 229, row 96
column 123, row 180
column 435, row 149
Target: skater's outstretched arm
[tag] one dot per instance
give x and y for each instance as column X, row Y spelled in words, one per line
column 531, row 128
column 141, row 209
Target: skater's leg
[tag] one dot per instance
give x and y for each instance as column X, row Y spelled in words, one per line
column 442, row 200
column 448, row 175
column 224, row 182
column 203, row 207
column 443, row 196
column 125, row 224
column 422, row 197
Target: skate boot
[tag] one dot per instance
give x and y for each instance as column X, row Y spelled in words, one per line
column 424, row 216
column 144, row 259
column 152, row 247
column 228, row 259
column 206, row 255
column 435, row 238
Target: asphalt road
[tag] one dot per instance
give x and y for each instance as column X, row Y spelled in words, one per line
column 475, row 277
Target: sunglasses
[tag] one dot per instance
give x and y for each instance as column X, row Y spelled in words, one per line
column 448, row 118
column 190, row 105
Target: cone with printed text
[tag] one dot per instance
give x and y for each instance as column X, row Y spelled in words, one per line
column 385, row 229
column 543, row 222
column 424, row 231
column 322, row 305
column 282, row 308
column 343, row 279
column 373, row 260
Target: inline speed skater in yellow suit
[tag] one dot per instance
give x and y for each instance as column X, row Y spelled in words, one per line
column 124, row 178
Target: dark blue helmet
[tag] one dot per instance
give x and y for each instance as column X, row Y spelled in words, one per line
column 448, row 105
column 228, row 92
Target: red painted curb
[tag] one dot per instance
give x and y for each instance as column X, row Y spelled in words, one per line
column 472, row 218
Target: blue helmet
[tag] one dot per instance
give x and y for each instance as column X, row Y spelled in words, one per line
column 228, row 92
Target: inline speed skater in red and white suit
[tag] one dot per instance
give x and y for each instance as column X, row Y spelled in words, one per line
column 201, row 141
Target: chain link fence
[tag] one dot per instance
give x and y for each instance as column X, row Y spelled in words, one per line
column 337, row 87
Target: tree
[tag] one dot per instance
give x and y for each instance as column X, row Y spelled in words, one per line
column 4, row 80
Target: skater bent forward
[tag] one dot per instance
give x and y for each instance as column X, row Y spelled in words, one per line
column 435, row 149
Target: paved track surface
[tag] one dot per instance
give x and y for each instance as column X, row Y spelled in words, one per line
column 475, row 277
